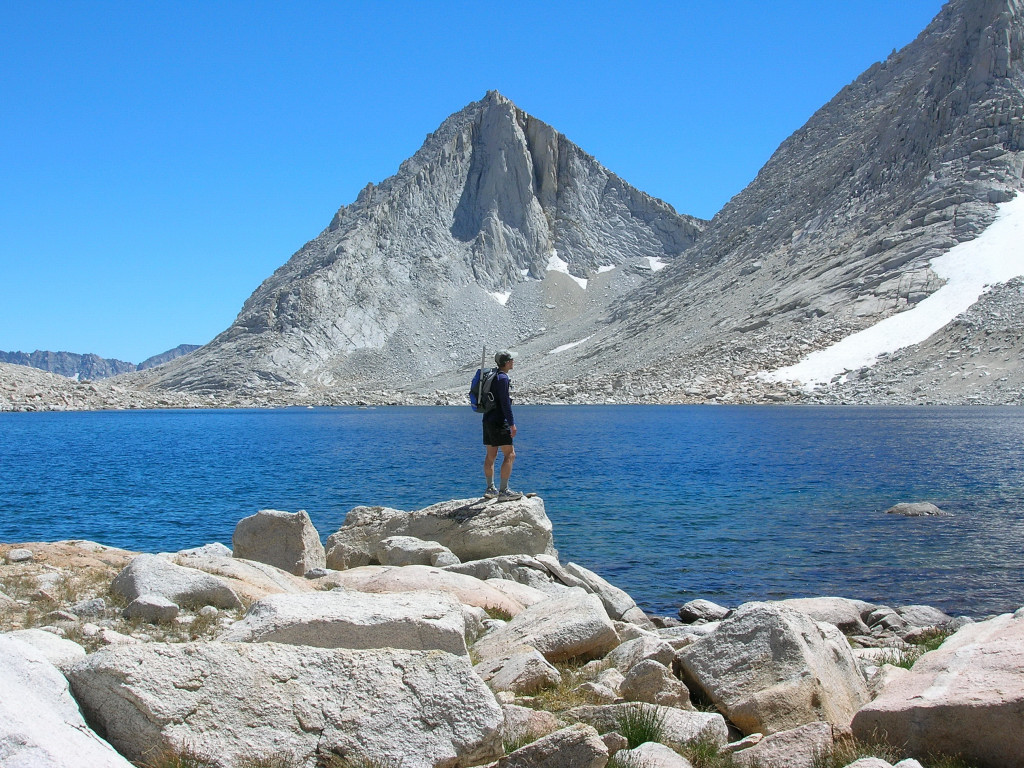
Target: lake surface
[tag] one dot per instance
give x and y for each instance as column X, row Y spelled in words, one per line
column 668, row 502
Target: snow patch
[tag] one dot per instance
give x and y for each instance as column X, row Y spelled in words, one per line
column 501, row 297
column 555, row 264
column 656, row 264
column 606, row 268
column 570, row 345
column 970, row 268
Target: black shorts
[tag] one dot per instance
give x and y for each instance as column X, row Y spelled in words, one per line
column 497, row 433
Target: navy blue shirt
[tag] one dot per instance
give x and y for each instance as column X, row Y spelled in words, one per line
column 503, row 397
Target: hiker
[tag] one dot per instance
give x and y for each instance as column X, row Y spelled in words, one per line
column 499, row 429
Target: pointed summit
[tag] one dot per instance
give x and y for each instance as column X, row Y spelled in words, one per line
column 473, row 241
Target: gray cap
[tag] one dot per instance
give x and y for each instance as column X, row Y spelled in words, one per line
column 501, row 357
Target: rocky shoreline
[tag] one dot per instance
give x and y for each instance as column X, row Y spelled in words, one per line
column 453, row 636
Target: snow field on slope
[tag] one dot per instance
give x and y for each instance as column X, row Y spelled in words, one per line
column 969, row 269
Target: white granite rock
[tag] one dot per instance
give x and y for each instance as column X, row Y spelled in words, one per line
column 524, row 671
column 57, row 650
column 573, row 626
column 424, row 708
column 651, row 754
column 632, row 652
column 524, row 722
column 285, row 540
column 702, row 610
column 415, row 578
column 526, row 570
column 417, row 621
column 678, row 726
column 408, row 550
column 578, row 746
column 213, row 549
column 40, row 723
column 654, row 683
column 156, row 609
column 186, row 587
column 246, row 578
column 19, row 555
column 619, row 604
column 521, row 593
column 844, row 613
column 799, row 747
column 472, row 529
column 769, row 668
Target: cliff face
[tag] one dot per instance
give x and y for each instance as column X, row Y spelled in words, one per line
column 488, row 234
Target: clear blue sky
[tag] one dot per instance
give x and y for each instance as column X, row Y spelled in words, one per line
column 160, row 159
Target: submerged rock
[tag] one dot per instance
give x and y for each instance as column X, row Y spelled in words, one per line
column 915, row 509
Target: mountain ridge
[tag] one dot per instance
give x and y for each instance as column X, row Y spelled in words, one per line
column 73, row 365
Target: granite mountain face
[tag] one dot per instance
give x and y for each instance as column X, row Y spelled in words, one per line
column 497, row 230
column 501, row 231
column 837, row 230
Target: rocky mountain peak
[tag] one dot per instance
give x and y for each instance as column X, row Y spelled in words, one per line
column 457, row 249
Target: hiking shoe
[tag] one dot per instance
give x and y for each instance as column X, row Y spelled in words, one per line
column 491, row 492
column 509, row 495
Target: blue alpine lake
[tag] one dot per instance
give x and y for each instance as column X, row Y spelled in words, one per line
column 667, row 502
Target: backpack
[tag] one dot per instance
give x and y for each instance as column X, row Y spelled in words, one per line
column 481, row 399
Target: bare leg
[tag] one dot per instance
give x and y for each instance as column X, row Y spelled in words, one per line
column 489, row 457
column 507, row 461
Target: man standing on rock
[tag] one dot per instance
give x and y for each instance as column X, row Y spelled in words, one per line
column 499, row 429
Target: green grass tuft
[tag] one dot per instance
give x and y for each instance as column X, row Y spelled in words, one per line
column 640, row 724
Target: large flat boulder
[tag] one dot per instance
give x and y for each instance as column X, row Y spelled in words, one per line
column 418, row 621
column 519, row 569
column 247, row 578
column 521, row 593
column 426, row 709
column 617, row 602
column 844, row 613
column 185, row 587
column 769, row 668
column 472, row 529
column 40, row 723
column 286, row 540
column 415, row 578
column 574, row 625
column 965, row 698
